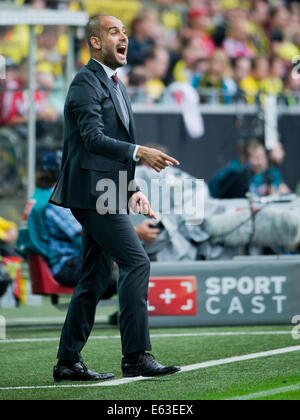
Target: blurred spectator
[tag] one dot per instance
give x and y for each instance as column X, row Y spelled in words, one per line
column 137, row 77
column 14, row 101
column 143, row 29
column 53, row 91
column 280, row 19
column 137, row 82
column 14, row 42
column 283, row 45
column 8, row 237
column 200, row 25
column 193, row 62
column 292, row 89
column 237, row 43
column 229, row 182
column 273, row 84
column 36, row 4
column 156, row 63
column 264, row 180
column 191, row 31
column 218, row 76
column 52, row 48
column 251, row 85
column 11, row 164
column 257, row 26
column 256, row 175
column 51, row 231
column 241, row 70
column 216, row 11
column 49, row 4
column 171, row 19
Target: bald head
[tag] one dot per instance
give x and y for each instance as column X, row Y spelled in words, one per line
column 107, row 39
column 94, row 28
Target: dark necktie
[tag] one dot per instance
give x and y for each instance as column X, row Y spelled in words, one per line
column 115, row 78
column 121, row 100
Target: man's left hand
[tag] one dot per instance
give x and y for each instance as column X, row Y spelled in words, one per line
column 140, row 204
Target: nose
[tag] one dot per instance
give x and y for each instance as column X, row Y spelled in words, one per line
column 124, row 37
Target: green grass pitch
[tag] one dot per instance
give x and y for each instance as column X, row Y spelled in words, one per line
column 30, row 363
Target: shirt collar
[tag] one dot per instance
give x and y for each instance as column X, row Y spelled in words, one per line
column 110, row 72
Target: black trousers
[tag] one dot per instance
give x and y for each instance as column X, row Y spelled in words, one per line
column 71, row 273
column 108, row 238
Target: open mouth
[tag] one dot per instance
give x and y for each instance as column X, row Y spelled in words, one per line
column 122, row 50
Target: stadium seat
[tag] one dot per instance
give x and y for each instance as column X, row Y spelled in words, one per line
column 43, row 282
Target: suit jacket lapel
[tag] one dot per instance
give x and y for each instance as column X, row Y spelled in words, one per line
column 102, row 76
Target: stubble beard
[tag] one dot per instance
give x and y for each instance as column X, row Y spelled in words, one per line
column 110, row 60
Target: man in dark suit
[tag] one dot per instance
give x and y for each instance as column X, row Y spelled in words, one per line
column 96, row 183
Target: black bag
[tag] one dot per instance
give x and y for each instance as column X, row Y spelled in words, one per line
column 235, row 185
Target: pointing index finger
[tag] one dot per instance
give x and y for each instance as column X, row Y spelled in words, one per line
column 170, row 159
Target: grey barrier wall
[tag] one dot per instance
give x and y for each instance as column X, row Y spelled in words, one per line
column 240, row 292
column 203, row 157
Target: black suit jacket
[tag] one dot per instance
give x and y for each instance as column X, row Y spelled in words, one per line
column 97, row 144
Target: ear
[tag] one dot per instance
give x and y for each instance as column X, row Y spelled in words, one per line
column 96, row 43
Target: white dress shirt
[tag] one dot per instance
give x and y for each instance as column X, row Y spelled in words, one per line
column 110, row 72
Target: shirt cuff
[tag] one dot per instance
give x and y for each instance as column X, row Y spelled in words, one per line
column 134, row 154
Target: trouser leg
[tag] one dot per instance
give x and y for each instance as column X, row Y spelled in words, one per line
column 113, row 237
column 97, row 271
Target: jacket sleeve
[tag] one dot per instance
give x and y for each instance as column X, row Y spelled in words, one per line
column 85, row 104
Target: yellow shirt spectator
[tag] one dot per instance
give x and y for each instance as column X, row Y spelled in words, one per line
column 155, row 88
column 288, row 50
column 250, row 86
column 15, row 43
column 269, row 86
column 7, row 230
column 180, row 72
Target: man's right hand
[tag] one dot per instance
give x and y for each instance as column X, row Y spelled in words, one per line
column 155, row 158
column 146, row 232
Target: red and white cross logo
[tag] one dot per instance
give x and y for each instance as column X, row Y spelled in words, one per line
column 176, row 295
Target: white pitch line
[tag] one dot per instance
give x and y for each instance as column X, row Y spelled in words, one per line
column 240, row 358
column 170, row 335
column 197, row 366
column 264, row 394
column 47, row 319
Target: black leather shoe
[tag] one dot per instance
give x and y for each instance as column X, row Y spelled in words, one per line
column 146, row 365
column 78, row 372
